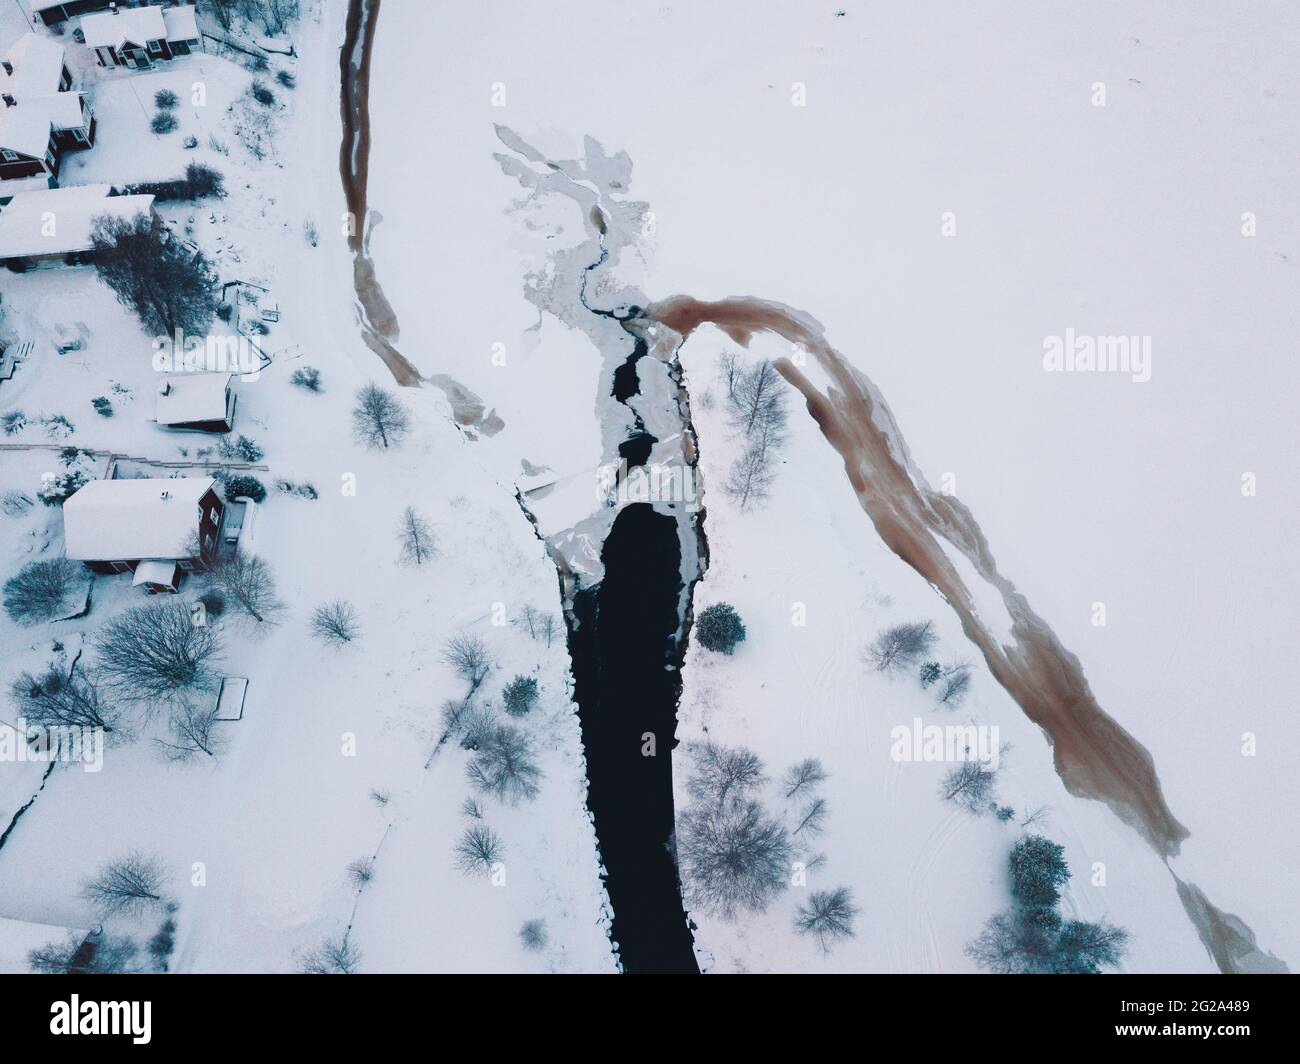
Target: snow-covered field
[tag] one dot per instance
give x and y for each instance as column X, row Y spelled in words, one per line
column 1125, row 219
column 944, row 188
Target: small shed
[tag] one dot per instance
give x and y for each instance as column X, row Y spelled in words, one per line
column 201, row 402
column 157, row 577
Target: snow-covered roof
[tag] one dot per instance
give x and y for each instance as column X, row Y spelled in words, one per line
column 24, row 228
column 154, row 572
column 63, row 108
column 38, row 66
column 136, row 25
column 184, row 398
column 25, row 130
column 123, row 520
column 20, row 937
column 181, row 23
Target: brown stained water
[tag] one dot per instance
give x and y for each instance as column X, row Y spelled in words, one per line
column 1094, row 755
column 379, row 325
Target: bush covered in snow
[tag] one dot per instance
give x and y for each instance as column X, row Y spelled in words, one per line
column 307, row 377
column 163, row 122
column 720, row 628
column 245, row 488
column 520, row 695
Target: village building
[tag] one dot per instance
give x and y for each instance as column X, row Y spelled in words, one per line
column 43, row 114
column 138, row 37
column 19, row 938
column 55, row 227
column 157, row 528
column 54, row 12
column 204, row 402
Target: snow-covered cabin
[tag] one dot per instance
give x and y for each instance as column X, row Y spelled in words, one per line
column 43, row 114
column 138, row 37
column 53, row 12
column 28, row 239
column 199, row 401
column 18, row 938
column 151, row 525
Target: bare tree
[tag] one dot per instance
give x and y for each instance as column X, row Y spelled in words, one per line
column 54, row 700
column 334, row 956
column 548, row 626
column 40, row 590
column 729, row 371
column 533, row 935
column 277, row 14
column 812, row 821
column 758, row 402
column 97, row 955
column 335, row 622
column 469, row 656
column 361, row 871
column 722, row 773
column 970, row 785
column 955, row 685
column 248, row 580
column 803, row 776
column 731, row 856
column 1038, row 815
column 471, row 810
column 194, row 729
column 529, row 617
column 378, row 419
column 478, row 850
column 901, row 645
column 126, row 886
column 503, row 765
column 415, row 535
column 156, row 651
column 749, row 480
column 828, row 914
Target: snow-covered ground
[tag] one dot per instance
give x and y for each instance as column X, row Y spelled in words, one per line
column 271, row 828
column 945, row 188
column 1125, row 218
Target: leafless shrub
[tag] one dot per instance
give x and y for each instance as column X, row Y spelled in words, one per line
column 54, row 700
column 828, row 914
column 334, row 956
column 722, row 773
column 812, row 820
column 901, row 645
column 731, row 856
column 361, row 872
column 970, row 785
column 729, row 371
column 335, row 622
column 380, row 798
column 955, row 685
column 533, row 935
column 154, row 652
column 469, row 656
column 471, row 810
column 126, row 886
column 478, row 850
column 503, row 766
column 40, row 590
column 248, row 580
column 803, row 776
column 194, row 730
